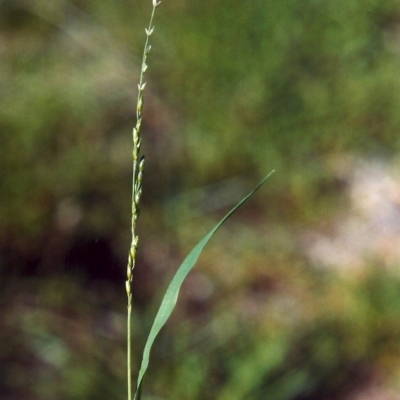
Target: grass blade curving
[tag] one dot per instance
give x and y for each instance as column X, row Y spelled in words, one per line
column 171, row 295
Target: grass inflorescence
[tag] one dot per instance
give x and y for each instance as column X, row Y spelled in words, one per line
column 137, row 176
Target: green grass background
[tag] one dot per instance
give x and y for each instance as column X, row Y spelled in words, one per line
column 235, row 89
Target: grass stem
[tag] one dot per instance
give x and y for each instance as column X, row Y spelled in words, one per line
column 137, row 174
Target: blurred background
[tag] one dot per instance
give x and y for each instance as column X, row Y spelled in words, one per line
column 298, row 295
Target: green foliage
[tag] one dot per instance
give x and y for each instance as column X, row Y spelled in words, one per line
column 235, row 88
column 301, row 81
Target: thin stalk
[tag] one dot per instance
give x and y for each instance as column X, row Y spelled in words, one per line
column 137, row 175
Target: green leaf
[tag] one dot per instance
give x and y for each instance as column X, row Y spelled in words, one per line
column 171, row 295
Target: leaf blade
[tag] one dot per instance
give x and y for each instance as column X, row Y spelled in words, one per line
column 171, row 295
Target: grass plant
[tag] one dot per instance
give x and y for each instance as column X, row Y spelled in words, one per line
column 171, row 295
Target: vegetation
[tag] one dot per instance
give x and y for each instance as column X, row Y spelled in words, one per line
column 234, row 90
